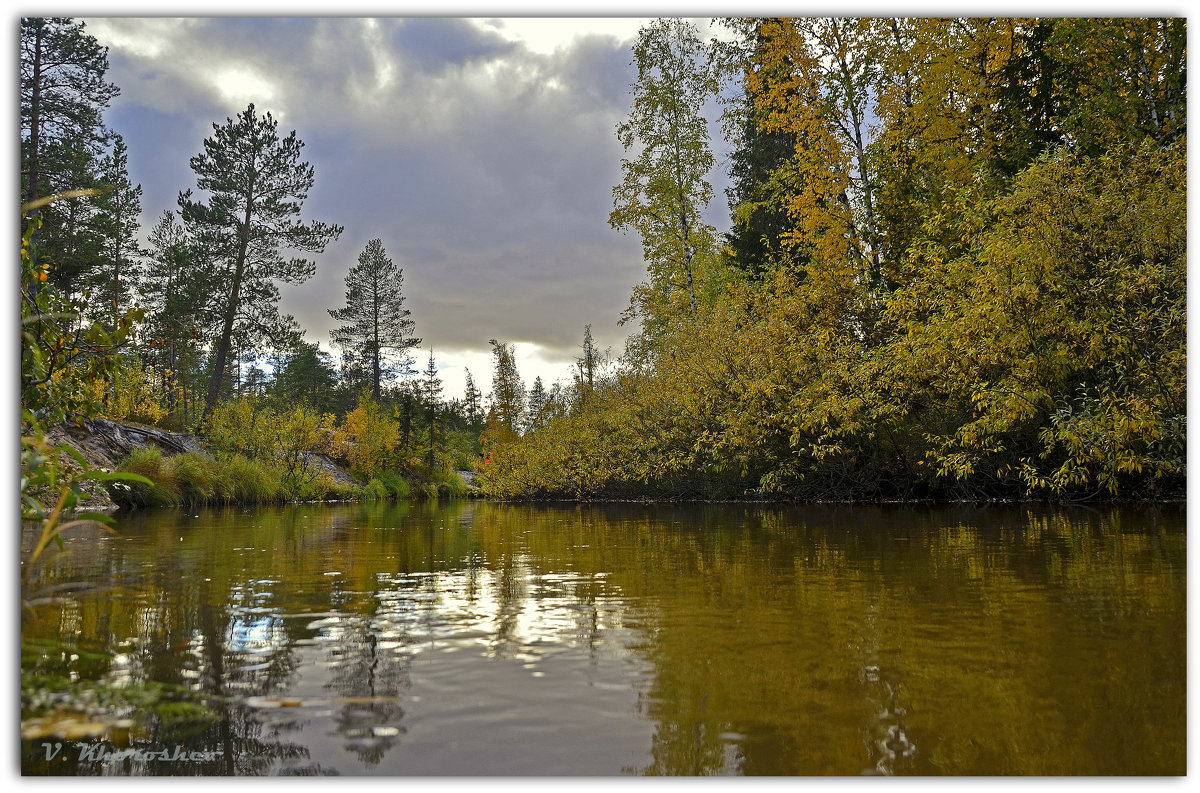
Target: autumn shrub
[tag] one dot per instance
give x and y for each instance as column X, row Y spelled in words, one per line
column 1059, row 337
column 132, row 394
column 241, row 427
column 282, row 443
column 367, row 437
column 299, row 434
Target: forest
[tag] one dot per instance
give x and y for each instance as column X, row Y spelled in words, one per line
column 954, row 269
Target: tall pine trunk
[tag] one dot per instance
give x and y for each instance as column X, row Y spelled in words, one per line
column 223, row 345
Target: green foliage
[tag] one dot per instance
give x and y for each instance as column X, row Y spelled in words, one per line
column 376, row 333
column 375, row 491
column 63, row 95
column 56, row 379
column 61, row 357
column 396, row 485
column 256, row 185
column 665, row 188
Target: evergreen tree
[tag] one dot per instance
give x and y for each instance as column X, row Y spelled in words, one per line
column 586, row 364
column 116, row 226
column 408, row 399
column 508, row 391
column 375, row 320
column 64, row 94
column 256, row 184
column 306, row 376
column 172, row 298
column 537, row 405
column 431, row 393
column 473, row 402
column 760, row 221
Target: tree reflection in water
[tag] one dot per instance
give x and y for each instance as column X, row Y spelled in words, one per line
column 490, row 638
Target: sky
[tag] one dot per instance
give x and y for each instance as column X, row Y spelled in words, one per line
column 481, row 151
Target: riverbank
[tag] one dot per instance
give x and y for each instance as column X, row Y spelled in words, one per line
column 185, row 473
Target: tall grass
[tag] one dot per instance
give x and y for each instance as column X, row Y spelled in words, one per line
column 397, row 486
column 375, row 491
column 444, row 484
column 193, row 479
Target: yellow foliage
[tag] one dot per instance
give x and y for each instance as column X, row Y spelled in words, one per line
column 367, row 437
column 135, row 393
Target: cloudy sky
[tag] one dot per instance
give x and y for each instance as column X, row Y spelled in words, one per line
column 481, row 151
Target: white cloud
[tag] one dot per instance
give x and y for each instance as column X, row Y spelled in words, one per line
column 242, row 85
column 549, row 35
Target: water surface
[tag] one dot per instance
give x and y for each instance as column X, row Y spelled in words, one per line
column 480, row 638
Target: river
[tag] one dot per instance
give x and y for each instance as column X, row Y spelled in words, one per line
column 475, row 638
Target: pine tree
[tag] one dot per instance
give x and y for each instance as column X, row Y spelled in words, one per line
column 64, row 94
column 257, row 185
column 376, row 324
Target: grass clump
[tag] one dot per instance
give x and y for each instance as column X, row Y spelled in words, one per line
column 397, row 486
column 252, row 482
column 200, row 480
column 150, row 463
column 375, row 491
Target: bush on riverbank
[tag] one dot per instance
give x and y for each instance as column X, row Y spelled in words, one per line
column 443, row 484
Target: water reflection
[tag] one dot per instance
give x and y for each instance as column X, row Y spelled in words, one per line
column 485, row 638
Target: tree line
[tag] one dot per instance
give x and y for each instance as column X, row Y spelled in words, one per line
column 954, row 268
column 177, row 330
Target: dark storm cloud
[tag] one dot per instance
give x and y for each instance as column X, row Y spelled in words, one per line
column 599, row 72
column 433, row 45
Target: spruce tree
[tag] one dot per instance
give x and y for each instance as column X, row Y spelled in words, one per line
column 376, row 333
column 473, row 402
column 116, row 227
column 508, row 391
column 431, row 393
column 537, row 405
